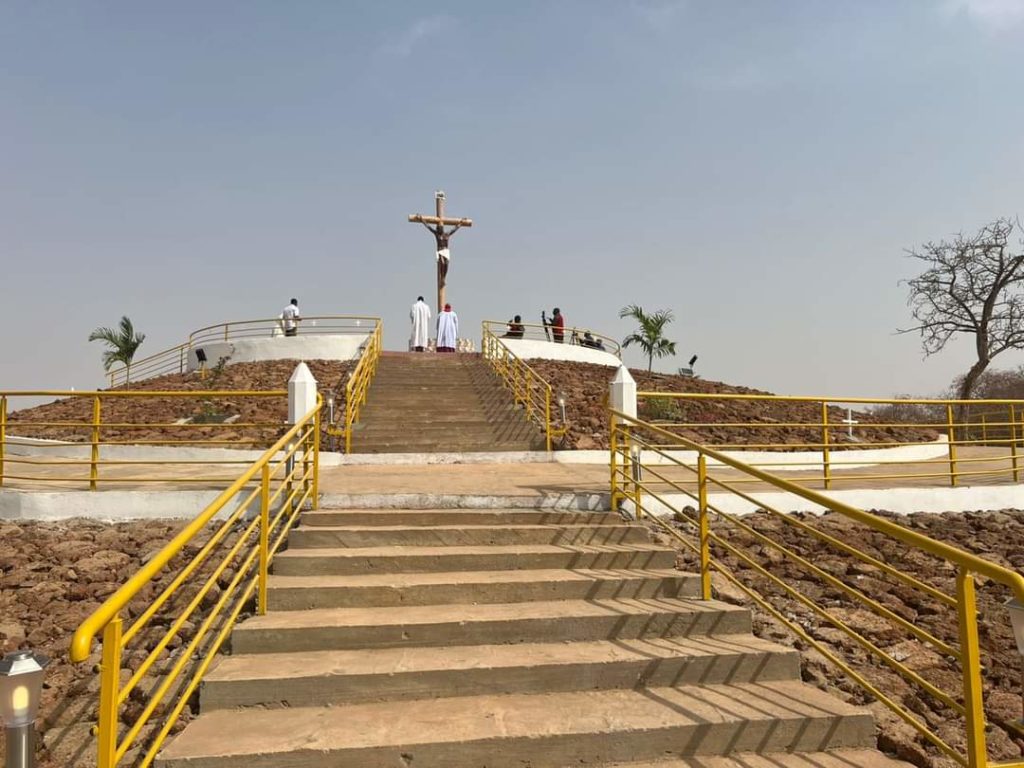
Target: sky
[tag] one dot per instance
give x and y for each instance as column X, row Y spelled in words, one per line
column 757, row 168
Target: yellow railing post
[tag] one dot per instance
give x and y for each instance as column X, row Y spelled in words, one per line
column 1013, row 445
column 226, row 326
column 94, row 469
column 613, row 441
column 529, row 398
column 825, row 456
column 974, row 711
column 984, row 428
column 3, row 435
column 951, row 433
column 547, row 416
column 316, row 460
column 637, row 473
column 110, row 685
column 261, row 589
column 704, row 528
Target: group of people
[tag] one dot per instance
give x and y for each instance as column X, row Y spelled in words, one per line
column 556, row 327
column 447, row 327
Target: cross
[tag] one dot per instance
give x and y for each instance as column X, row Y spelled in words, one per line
column 850, row 421
column 437, row 224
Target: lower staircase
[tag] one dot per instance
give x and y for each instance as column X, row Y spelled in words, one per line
column 500, row 639
column 447, row 403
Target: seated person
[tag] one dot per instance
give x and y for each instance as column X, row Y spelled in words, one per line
column 515, row 328
column 589, row 341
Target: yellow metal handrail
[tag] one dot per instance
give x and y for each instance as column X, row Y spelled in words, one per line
column 176, row 359
column 279, row 484
column 359, row 381
column 527, row 386
column 17, row 465
column 571, row 335
column 644, row 484
column 957, row 424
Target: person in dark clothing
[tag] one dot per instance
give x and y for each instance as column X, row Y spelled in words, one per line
column 515, row 328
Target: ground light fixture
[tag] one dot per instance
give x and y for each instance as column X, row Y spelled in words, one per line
column 562, row 400
column 21, row 683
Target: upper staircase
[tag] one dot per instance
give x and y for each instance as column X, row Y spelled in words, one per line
column 431, row 403
column 497, row 638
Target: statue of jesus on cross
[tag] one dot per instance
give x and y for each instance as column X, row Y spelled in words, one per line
column 436, row 224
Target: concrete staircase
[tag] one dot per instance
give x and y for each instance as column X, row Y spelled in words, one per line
column 429, row 403
column 472, row 639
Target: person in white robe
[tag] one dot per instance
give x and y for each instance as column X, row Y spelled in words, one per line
column 447, row 330
column 420, row 317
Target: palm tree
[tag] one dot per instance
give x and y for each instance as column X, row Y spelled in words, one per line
column 650, row 335
column 124, row 342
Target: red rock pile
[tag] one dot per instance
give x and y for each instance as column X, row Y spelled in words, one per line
column 258, row 376
column 586, row 388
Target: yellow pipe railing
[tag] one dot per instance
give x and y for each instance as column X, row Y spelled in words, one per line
column 25, row 457
column 647, row 487
column 572, row 336
column 285, row 478
column 359, row 382
column 176, row 359
column 959, row 424
column 529, row 389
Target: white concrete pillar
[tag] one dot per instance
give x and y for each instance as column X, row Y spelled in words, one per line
column 622, row 392
column 301, row 393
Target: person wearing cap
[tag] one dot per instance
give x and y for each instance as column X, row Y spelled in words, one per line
column 558, row 325
column 447, row 329
column 420, row 317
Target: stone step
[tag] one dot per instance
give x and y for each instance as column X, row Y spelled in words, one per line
column 431, row 517
column 353, row 537
column 840, row 758
column 296, row 593
column 446, row 446
column 541, row 730
column 442, row 625
column 307, row 562
column 322, row 678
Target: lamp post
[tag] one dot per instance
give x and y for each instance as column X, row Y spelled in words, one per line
column 21, row 682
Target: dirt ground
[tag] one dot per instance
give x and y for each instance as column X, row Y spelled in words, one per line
column 52, row 575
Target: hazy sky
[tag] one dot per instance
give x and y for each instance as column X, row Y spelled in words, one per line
column 757, row 167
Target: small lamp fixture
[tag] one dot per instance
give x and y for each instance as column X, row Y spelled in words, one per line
column 562, row 400
column 330, row 408
column 21, row 683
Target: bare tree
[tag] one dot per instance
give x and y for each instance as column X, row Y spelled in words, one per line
column 975, row 286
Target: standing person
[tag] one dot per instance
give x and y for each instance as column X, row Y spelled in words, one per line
column 420, row 317
column 558, row 325
column 447, row 329
column 290, row 318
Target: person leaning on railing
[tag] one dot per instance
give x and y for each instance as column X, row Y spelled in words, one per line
column 290, row 318
column 516, row 329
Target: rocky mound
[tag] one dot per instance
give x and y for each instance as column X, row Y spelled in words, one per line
column 586, row 387
column 331, row 376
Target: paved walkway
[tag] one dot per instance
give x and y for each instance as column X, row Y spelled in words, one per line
column 980, row 466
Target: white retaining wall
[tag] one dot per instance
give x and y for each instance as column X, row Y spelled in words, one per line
column 305, row 346
column 533, row 349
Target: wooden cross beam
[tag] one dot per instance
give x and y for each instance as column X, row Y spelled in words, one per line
column 437, row 225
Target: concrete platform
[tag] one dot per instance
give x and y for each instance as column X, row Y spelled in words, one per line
column 841, row 758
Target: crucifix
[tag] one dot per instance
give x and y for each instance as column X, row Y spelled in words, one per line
column 437, row 225
column 849, row 421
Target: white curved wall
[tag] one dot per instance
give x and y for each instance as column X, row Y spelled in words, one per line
column 532, row 349
column 308, row 346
